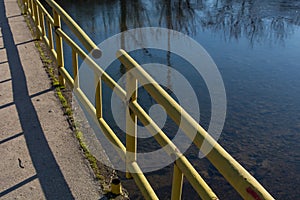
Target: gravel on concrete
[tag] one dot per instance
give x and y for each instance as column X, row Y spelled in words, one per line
column 40, row 157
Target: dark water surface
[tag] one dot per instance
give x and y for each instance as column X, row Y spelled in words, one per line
column 256, row 46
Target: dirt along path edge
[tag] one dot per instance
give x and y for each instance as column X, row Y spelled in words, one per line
column 42, row 159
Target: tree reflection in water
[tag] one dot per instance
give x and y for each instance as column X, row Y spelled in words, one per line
column 254, row 21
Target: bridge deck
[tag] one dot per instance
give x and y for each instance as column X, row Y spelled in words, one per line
column 40, row 157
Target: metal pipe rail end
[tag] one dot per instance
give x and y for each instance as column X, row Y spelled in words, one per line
column 116, row 187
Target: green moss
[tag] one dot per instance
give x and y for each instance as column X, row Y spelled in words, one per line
column 68, row 112
column 65, row 105
column 92, row 160
column 48, row 61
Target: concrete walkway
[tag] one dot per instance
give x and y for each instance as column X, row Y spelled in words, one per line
column 40, row 157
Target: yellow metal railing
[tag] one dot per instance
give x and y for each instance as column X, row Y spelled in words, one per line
column 246, row 185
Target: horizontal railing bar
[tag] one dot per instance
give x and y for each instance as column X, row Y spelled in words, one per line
column 67, row 76
column 112, row 137
column 54, row 53
column 46, row 40
column 133, row 167
column 234, row 173
column 39, row 28
column 154, row 129
column 136, row 172
column 194, row 178
column 185, row 166
column 45, row 12
column 81, row 35
column 94, row 66
column 142, row 182
column 89, row 107
column 85, row 102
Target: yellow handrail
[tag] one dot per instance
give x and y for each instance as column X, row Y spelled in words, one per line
column 246, row 185
column 237, row 176
column 81, row 35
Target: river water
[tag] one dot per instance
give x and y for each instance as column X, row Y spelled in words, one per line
column 256, row 46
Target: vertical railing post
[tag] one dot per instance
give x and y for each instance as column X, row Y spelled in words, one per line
column 177, row 183
column 50, row 35
column 59, row 47
column 131, row 122
column 42, row 22
column 75, row 69
column 36, row 20
column 32, row 10
column 26, row 6
column 30, row 7
column 98, row 97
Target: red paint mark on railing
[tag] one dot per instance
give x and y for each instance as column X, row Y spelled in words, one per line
column 253, row 193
